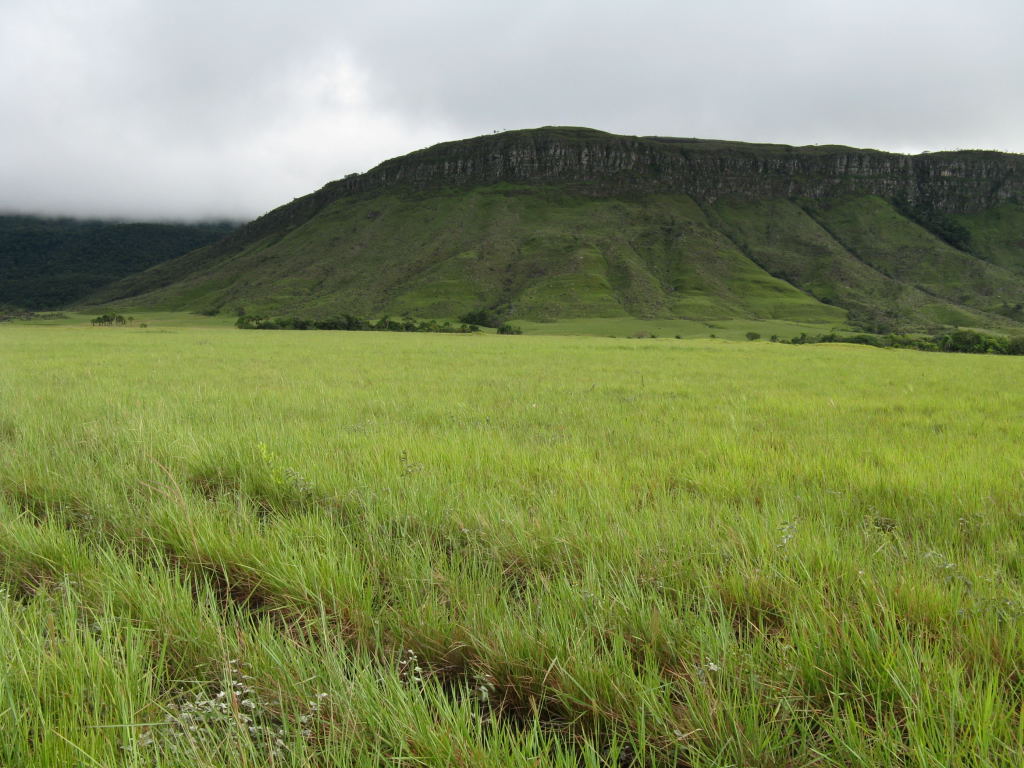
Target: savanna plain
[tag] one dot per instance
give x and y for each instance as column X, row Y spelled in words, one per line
column 279, row 548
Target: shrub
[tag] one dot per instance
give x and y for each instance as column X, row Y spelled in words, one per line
column 109, row 319
column 484, row 317
column 963, row 341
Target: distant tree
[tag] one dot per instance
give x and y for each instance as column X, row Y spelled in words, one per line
column 109, row 319
column 963, row 341
column 484, row 317
column 753, row 336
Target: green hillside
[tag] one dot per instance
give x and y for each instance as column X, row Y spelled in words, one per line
column 533, row 254
column 997, row 235
column 901, row 249
column 564, row 223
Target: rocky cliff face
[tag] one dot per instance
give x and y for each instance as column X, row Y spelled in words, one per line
column 953, row 182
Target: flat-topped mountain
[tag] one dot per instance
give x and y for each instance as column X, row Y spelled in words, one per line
column 571, row 222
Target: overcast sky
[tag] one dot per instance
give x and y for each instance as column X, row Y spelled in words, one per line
column 228, row 108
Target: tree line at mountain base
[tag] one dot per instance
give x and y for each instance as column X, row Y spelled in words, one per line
column 970, row 342
column 354, row 323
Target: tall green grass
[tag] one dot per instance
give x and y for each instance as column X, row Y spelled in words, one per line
column 220, row 548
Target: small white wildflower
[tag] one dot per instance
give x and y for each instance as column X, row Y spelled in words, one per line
column 788, row 530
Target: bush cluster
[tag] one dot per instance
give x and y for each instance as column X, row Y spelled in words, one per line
column 971, row 342
column 489, row 318
column 351, row 323
column 112, row 318
column 484, row 317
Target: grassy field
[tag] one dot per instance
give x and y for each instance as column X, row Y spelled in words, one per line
column 221, row 547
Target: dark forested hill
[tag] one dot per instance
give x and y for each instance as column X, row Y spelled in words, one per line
column 48, row 263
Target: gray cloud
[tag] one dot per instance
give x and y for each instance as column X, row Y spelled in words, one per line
column 151, row 109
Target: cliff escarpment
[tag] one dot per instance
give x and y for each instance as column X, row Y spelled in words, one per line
column 952, row 182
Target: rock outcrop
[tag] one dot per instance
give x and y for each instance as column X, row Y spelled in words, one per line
column 953, row 182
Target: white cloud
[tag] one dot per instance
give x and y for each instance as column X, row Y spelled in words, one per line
column 146, row 108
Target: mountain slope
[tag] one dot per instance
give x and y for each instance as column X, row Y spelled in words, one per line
column 536, row 255
column 997, row 235
column 567, row 222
